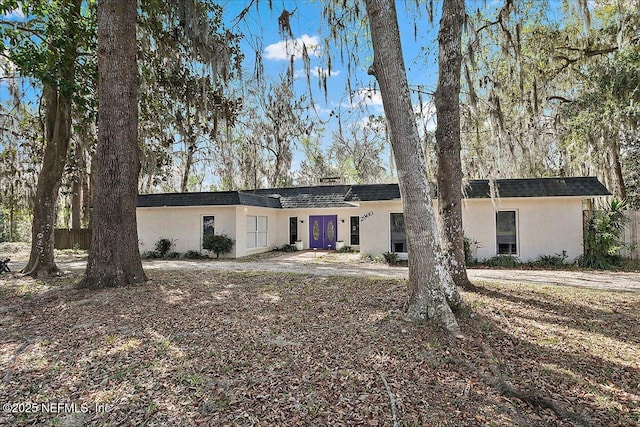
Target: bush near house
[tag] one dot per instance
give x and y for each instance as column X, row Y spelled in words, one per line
column 218, row 244
column 285, row 248
column 603, row 237
column 502, row 261
column 162, row 247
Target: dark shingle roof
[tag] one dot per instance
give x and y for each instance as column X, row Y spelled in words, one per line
column 340, row 196
column 221, row 198
column 324, row 196
column 373, row 192
column 537, row 187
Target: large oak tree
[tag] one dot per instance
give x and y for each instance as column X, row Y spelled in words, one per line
column 46, row 49
column 431, row 287
column 114, row 257
column 449, row 175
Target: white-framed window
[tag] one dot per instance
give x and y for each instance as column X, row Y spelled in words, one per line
column 257, row 228
column 506, row 232
column 398, row 242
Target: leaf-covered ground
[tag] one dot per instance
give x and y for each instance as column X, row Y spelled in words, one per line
column 229, row 348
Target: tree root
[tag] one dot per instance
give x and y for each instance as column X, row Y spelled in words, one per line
column 531, row 397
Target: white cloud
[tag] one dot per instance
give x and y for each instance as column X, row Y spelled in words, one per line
column 323, row 111
column 366, row 97
column 283, row 50
column 317, row 72
column 426, row 116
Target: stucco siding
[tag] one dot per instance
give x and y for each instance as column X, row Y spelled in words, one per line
column 545, row 226
column 273, row 229
column 303, row 215
column 183, row 225
column 374, row 226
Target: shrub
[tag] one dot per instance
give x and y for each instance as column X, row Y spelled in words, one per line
column 390, row 257
column 285, row 248
column 218, row 244
column 149, row 255
column 603, row 237
column 546, row 261
column 173, row 255
column 162, row 247
column 469, row 259
column 503, row 261
column 345, row 249
column 194, row 255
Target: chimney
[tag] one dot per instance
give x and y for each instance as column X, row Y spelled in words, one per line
column 331, row 180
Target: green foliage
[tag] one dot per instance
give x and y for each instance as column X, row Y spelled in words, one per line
column 391, row 257
column 469, row 259
column 149, row 255
column 218, row 244
column 502, row 261
column 285, row 248
column 603, row 237
column 194, row 255
column 550, row 261
column 162, row 247
column 345, row 249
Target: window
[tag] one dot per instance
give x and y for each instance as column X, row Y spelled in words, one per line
column 256, row 232
column 208, row 223
column 506, row 231
column 398, row 236
column 293, row 229
column 354, row 230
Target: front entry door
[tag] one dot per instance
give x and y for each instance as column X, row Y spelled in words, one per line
column 323, row 231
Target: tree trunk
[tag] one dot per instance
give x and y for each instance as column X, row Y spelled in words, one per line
column 78, row 188
column 12, row 212
column 114, row 257
column 448, row 144
column 430, row 283
column 619, row 187
column 58, row 98
column 87, row 192
column 184, row 185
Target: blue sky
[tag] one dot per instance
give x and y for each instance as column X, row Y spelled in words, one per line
column 260, row 30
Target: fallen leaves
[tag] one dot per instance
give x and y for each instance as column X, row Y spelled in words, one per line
column 222, row 348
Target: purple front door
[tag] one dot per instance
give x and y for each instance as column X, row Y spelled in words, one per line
column 323, row 231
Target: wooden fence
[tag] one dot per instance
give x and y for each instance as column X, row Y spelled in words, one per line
column 632, row 235
column 75, row 238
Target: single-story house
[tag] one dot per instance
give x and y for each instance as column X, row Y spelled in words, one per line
column 523, row 217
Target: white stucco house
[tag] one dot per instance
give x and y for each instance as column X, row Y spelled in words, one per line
column 525, row 217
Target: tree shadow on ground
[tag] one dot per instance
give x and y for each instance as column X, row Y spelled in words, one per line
column 585, row 381
column 620, row 320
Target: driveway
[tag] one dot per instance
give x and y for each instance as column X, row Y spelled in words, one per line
column 332, row 264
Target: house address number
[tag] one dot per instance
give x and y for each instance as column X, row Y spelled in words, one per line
column 366, row 216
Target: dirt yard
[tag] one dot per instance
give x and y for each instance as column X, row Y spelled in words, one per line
column 221, row 346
